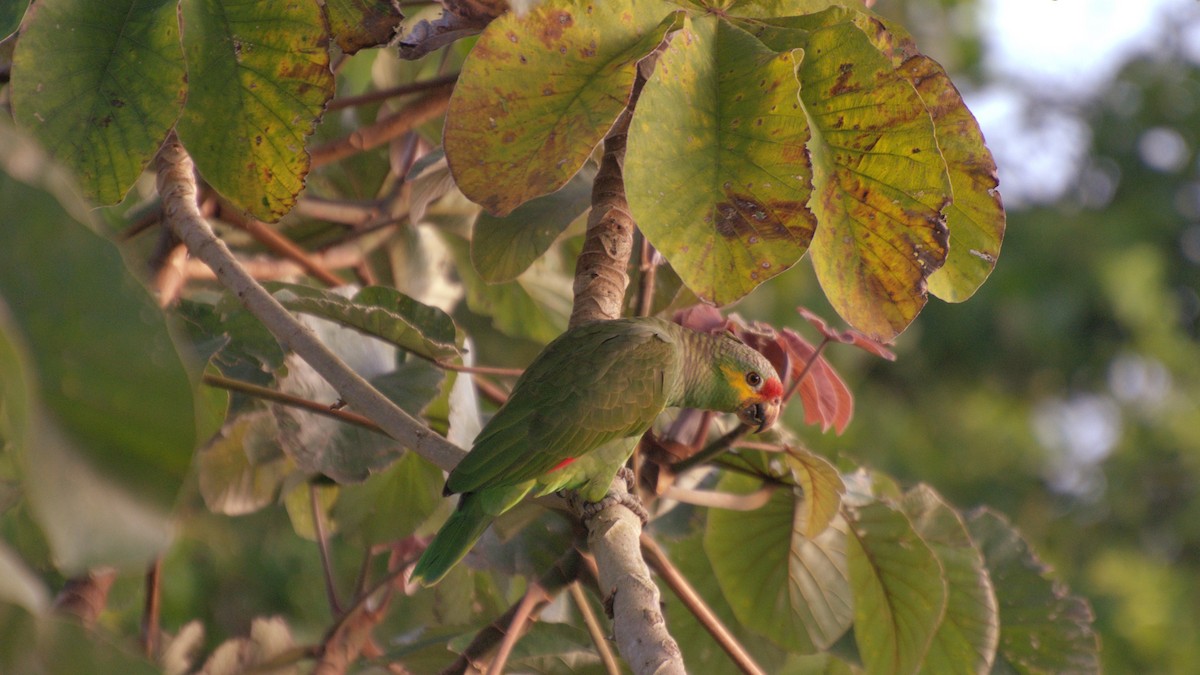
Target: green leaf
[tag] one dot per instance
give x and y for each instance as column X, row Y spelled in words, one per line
column 258, row 81
column 508, row 141
column 11, row 13
column 358, row 24
column 791, row 589
column 879, row 179
column 113, row 421
column 511, row 305
column 242, row 470
column 821, row 491
column 379, row 311
column 54, row 645
column 504, row 247
column 697, row 645
column 100, row 84
column 899, row 590
column 976, row 216
column 391, row 504
column 19, row 585
column 966, row 640
column 717, row 170
column 1043, row 629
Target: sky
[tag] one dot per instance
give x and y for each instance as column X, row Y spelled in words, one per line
column 1068, row 50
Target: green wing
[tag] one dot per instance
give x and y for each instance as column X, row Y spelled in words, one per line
column 595, row 383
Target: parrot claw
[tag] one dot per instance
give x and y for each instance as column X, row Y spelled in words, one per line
column 630, row 477
column 588, row 510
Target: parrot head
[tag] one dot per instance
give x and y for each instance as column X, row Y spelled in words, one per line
column 758, row 387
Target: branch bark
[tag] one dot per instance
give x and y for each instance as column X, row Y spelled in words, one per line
column 601, row 278
column 177, row 186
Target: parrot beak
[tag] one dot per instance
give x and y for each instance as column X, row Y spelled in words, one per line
column 760, row 415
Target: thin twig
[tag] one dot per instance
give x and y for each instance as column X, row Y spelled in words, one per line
column 552, row 581
column 645, row 301
column 340, row 211
column 535, row 596
column 177, row 186
column 385, row 94
column 282, row 246
column 712, row 449
column 323, row 549
column 729, row 501
column 490, row 390
column 480, row 370
column 277, row 396
column 683, row 590
column 151, row 628
column 432, row 104
column 594, row 629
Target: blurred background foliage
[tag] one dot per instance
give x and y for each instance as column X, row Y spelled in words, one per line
column 1065, row 394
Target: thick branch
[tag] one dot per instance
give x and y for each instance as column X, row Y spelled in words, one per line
column 177, row 186
column 638, row 623
column 601, row 275
column 601, row 279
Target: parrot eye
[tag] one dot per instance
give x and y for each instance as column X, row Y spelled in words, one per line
column 754, row 379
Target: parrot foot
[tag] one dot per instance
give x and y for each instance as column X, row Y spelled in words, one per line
column 589, row 509
column 630, row 477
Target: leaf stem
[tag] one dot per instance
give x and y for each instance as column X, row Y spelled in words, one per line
column 594, row 629
column 323, row 549
column 696, row 605
column 384, row 94
column 276, row 396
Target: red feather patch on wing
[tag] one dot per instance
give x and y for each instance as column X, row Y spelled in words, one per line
column 562, row 464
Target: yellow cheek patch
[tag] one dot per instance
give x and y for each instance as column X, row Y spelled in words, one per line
column 737, row 380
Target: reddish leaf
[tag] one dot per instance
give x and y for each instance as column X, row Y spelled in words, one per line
column 848, row 336
column 827, row 399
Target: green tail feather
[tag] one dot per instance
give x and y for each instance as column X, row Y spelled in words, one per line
column 465, row 526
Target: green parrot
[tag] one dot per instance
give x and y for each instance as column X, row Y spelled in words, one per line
column 576, row 414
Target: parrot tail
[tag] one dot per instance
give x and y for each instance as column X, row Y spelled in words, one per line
column 465, row 526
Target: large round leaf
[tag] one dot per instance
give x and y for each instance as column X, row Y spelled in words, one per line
column 110, row 420
column 879, row 180
column 717, row 170
column 100, row 84
column 792, row 589
column 899, row 590
column 965, row 641
column 258, row 81
column 508, row 141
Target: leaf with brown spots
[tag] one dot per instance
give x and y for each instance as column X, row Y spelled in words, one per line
column 539, row 92
column 358, row 24
column 717, row 170
column 258, row 81
column 99, row 84
column 976, row 216
column 879, row 179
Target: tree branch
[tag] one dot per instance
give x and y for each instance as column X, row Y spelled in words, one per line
column 601, row 278
column 177, row 186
